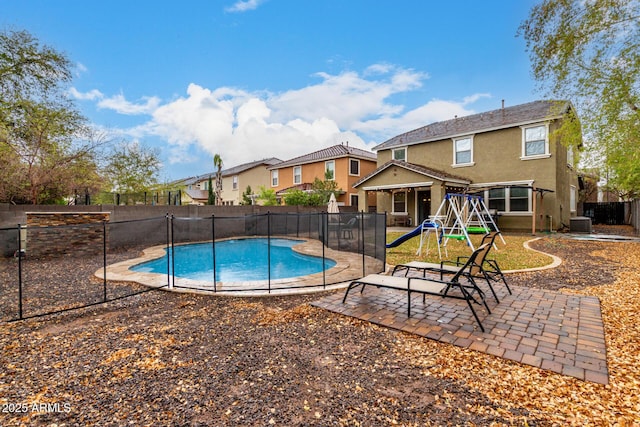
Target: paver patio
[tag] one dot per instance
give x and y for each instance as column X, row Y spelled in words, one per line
column 559, row 332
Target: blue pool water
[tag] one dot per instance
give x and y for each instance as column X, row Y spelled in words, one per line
column 238, row 260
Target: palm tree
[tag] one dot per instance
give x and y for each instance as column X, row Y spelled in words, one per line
column 217, row 162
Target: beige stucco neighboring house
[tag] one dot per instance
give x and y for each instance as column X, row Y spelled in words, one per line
column 235, row 181
column 510, row 156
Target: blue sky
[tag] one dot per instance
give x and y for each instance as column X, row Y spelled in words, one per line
column 260, row 78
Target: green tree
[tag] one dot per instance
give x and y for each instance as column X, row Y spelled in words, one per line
column 323, row 189
column 267, row 197
column 28, row 69
column 49, row 153
column 296, row 198
column 132, row 168
column 46, row 145
column 211, row 200
column 217, row 162
column 246, row 196
column 318, row 196
column 589, row 52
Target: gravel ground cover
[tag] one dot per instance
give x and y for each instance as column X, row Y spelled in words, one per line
column 75, row 284
column 163, row 358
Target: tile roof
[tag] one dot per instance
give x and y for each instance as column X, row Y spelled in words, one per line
column 229, row 172
column 433, row 173
column 332, row 152
column 246, row 166
column 497, row 119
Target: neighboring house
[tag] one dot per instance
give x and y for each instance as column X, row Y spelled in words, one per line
column 509, row 156
column 193, row 191
column 235, row 181
column 345, row 164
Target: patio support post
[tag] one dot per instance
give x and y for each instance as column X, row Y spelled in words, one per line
column 533, row 220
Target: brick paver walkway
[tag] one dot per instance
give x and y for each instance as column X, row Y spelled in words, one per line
column 550, row 330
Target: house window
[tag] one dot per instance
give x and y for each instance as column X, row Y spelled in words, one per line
column 235, row 182
column 519, row 199
column 297, row 174
column 274, row 178
column 511, row 199
column 400, row 202
column 354, row 167
column 354, row 200
column 330, row 170
column 400, row 154
column 497, row 199
column 572, row 199
column 463, row 151
column 535, row 143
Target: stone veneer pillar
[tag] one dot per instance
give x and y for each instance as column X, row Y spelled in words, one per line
column 56, row 234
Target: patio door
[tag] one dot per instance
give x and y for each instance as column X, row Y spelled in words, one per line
column 424, row 205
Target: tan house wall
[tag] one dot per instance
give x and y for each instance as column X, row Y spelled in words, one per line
column 496, row 160
column 254, row 178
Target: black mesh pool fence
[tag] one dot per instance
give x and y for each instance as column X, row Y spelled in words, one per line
column 49, row 269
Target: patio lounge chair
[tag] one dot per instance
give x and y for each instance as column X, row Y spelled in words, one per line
column 429, row 286
column 481, row 267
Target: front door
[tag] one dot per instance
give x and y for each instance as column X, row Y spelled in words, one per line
column 424, row 205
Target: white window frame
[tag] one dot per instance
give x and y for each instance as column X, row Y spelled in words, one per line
column 297, row 177
column 274, row 178
column 455, row 163
column 397, row 150
column 234, row 183
column 393, row 203
column 358, row 163
column 332, row 168
column 573, row 198
column 546, row 153
column 571, row 157
column 507, row 195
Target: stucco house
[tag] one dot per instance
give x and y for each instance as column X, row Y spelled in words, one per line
column 511, row 156
column 345, row 164
column 235, row 181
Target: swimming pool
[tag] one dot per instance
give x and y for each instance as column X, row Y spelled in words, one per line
column 238, row 260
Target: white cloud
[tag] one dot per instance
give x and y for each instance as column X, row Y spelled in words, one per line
column 92, row 95
column 243, row 126
column 244, row 5
column 347, row 98
column 80, row 69
column 119, row 104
